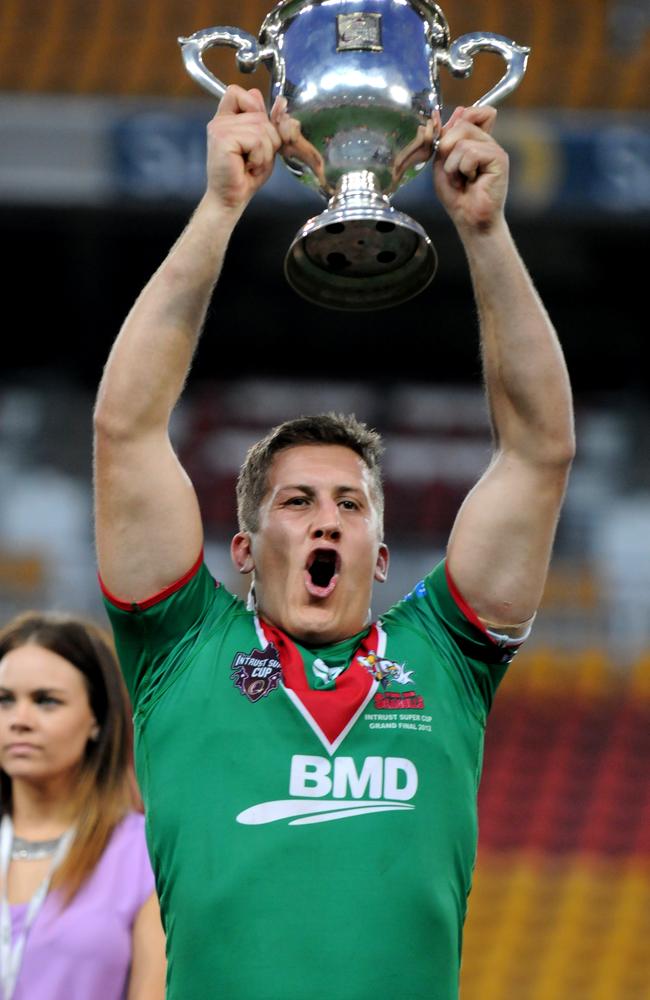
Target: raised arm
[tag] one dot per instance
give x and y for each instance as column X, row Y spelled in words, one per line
column 501, row 543
column 148, row 525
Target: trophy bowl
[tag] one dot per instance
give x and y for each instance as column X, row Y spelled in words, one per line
column 355, row 94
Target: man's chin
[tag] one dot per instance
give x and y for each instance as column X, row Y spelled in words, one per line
column 318, row 622
column 319, row 626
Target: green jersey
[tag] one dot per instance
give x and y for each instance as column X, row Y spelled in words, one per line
column 311, row 813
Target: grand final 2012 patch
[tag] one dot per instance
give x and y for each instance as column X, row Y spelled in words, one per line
column 257, row 673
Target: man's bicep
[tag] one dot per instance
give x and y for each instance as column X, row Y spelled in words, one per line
column 147, row 519
column 501, row 542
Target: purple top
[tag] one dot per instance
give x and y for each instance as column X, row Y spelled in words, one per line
column 84, row 951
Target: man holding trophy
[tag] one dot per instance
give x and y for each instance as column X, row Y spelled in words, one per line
column 309, row 775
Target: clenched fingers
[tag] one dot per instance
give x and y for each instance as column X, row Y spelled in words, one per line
column 237, row 100
column 288, row 127
column 290, row 132
column 261, row 150
column 462, row 131
column 484, row 117
column 470, row 157
column 242, row 143
column 239, row 132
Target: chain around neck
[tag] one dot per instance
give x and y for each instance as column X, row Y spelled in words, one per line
column 33, row 850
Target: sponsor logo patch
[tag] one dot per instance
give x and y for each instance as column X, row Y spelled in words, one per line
column 322, row 790
column 257, row 673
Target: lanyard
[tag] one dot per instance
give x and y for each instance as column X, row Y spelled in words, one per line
column 11, row 957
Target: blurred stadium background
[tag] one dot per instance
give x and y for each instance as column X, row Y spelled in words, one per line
column 101, row 161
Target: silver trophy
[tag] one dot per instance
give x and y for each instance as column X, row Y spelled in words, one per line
column 355, row 90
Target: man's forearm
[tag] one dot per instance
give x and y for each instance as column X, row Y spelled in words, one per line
column 526, row 377
column 151, row 357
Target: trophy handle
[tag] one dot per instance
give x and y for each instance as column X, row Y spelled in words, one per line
column 459, row 60
column 249, row 54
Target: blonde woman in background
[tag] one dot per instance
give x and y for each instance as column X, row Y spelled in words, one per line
column 79, row 917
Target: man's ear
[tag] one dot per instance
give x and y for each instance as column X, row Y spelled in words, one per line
column 241, row 552
column 381, row 567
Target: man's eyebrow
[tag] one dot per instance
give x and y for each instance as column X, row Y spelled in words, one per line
column 349, row 489
column 310, row 491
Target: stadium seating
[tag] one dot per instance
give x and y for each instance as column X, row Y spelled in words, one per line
column 586, row 54
column 560, row 908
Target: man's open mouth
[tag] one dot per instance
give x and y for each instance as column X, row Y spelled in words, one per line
column 322, row 572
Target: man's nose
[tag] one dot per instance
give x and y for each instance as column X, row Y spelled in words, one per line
column 329, row 531
column 327, row 524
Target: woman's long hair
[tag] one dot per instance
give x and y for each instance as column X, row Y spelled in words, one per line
column 105, row 789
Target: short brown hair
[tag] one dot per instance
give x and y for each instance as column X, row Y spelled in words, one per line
column 105, row 789
column 323, row 428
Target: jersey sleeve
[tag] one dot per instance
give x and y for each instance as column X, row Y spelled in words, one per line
column 480, row 655
column 153, row 637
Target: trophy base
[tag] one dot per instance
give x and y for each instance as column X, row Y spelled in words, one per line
column 360, row 258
